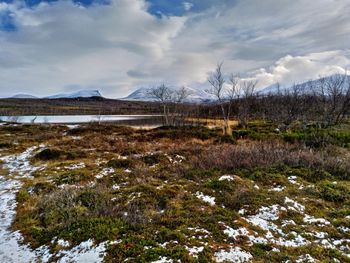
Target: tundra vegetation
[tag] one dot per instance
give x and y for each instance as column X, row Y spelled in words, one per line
column 273, row 187
column 188, row 194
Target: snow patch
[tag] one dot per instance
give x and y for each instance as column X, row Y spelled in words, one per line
column 318, row 221
column 226, row 178
column 105, row 172
column 75, row 166
column 235, row 254
column 206, row 198
column 163, row 260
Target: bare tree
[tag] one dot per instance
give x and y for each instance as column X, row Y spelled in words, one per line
column 217, row 82
column 164, row 95
column 334, row 95
column 179, row 96
column 246, row 95
column 223, row 97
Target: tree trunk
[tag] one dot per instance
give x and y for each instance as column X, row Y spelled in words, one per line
column 165, row 115
column 227, row 129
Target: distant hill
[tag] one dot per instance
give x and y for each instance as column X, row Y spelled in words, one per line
column 78, row 94
column 305, row 87
column 23, row 96
column 73, row 95
column 195, row 95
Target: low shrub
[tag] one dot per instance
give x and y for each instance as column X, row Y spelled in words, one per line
column 48, row 154
column 188, row 132
column 268, row 154
column 55, row 154
column 72, row 177
column 5, row 145
column 153, row 159
column 120, row 163
column 226, row 139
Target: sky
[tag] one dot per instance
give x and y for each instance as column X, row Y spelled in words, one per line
column 117, row 46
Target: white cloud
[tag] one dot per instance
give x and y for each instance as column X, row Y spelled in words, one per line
column 289, row 70
column 118, row 47
column 187, row 6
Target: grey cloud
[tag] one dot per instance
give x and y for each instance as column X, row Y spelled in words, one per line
column 124, row 46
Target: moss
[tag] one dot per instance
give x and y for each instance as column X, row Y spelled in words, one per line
column 167, row 235
column 98, row 228
column 268, row 177
column 332, row 192
column 198, row 174
column 260, row 250
column 23, row 196
column 74, row 176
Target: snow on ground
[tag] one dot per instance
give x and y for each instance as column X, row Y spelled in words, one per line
column 265, row 220
column 226, row 178
column 116, row 187
column 75, row 166
column 206, row 198
column 306, row 258
column 277, row 188
column 235, row 254
column 236, row 233
column 11, row 248
column 271, row 220
column 293, row 205
column 193, row 251
column 20, row 164
column 176, row 159
column 293, row 179
column 163, row 260
column 105, row 172
column 318, row 221
column 85, row 252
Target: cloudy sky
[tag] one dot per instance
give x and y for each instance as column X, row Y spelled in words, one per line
column 116, row 46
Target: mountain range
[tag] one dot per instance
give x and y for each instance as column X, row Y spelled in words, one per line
column 77, row 94
column 196, row 95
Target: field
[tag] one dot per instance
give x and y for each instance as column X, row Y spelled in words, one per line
column 175, row 194
column 81, row 106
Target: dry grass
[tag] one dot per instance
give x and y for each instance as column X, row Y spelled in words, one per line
column 251, row 155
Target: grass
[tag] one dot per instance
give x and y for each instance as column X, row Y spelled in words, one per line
column 148, row 202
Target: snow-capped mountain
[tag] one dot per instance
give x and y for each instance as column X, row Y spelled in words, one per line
column 307, row 86
column 78, row 94
column 195, row 95
column 23, row 96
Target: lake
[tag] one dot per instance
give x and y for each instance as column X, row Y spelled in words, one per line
column 71, row 119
